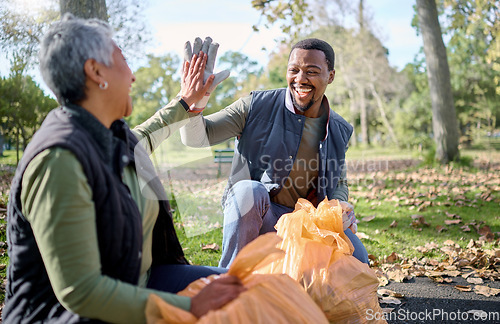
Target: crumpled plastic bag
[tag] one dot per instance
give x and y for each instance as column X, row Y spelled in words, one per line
column 269, row 298
column 319, row 257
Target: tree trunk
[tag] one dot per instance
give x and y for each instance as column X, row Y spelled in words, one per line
column 380, row 106
column 365, row 140
column 1, row 144
column 85, row 8
column 363, row 114
column 354, row 137
column 444, row 118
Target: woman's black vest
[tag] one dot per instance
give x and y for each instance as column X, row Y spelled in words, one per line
column 29, row 295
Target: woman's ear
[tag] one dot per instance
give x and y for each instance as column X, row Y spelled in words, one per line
column 92, row 70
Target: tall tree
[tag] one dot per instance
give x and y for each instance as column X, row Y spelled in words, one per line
column 473, row 30
column 22, row 108
column 21, row 30
column 444, row 118
column 362, row 35
column 85, row 8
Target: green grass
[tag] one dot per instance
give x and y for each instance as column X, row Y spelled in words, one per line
column 356, row 153
column 396, row 196
column 6, row 173
column 431, row 194
column 9, row 157
column 172, row 153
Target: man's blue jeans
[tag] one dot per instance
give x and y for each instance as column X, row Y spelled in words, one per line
column 249, row 212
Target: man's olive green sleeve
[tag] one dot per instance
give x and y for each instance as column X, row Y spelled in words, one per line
column 57, row 201
column 216, row 128
column 342, row 190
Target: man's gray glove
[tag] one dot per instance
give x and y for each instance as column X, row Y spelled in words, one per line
column 209, row 48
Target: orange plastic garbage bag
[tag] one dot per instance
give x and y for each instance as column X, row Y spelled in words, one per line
column 319, row 257
column 269, row 298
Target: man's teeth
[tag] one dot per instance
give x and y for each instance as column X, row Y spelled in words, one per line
column 303, row 90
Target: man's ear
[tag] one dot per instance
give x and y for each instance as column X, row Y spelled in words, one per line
column 332, row 76
column 92, row 70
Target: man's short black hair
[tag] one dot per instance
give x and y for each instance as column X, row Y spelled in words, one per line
column 318, row 44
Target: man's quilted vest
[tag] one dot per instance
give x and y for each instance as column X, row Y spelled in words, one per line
column 270, row 141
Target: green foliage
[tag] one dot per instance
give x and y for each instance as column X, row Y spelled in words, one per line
column 475, row 24
column 23, row 107
column 474, row 92
column 429, row 160
column 294, row 15
column 156, row 84
column 276, row 69
column 413, row 121
column 21, row 28
column 244, row 78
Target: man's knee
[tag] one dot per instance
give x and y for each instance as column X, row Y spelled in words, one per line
column 247, row 194
column 249, row 188
column 247, row 200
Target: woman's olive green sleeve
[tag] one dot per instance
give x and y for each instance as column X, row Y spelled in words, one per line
column 161, row 125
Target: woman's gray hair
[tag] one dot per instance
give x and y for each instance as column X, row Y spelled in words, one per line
column 65, row 48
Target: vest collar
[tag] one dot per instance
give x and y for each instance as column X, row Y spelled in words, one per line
column 101, row 134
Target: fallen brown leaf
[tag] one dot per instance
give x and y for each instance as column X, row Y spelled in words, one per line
column 383, row 281
column 437, row 279
column 467, row 275
column 471, row 244
column 452, row 221
column 486, row 291
column 441, row 228
column 475, row 281
column 387, row 292
column 362, row 235
column 454, row 273
column 465, row 228
column 418, row 220
column 450, row 215
column 390, row 300
column 392, row 258
column 463, row 288
column 396, row 275
column 449, row 243
column 422, row 249
column 211, row 247
column 368, row 218
column 485, row 230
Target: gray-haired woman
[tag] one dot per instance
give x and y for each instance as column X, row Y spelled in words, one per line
column 84, row 237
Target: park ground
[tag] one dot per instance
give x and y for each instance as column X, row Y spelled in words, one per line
column 432, row 232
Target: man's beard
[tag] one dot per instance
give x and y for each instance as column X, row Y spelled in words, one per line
column 302, row 108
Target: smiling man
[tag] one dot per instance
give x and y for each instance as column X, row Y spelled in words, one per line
column 291, row 145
